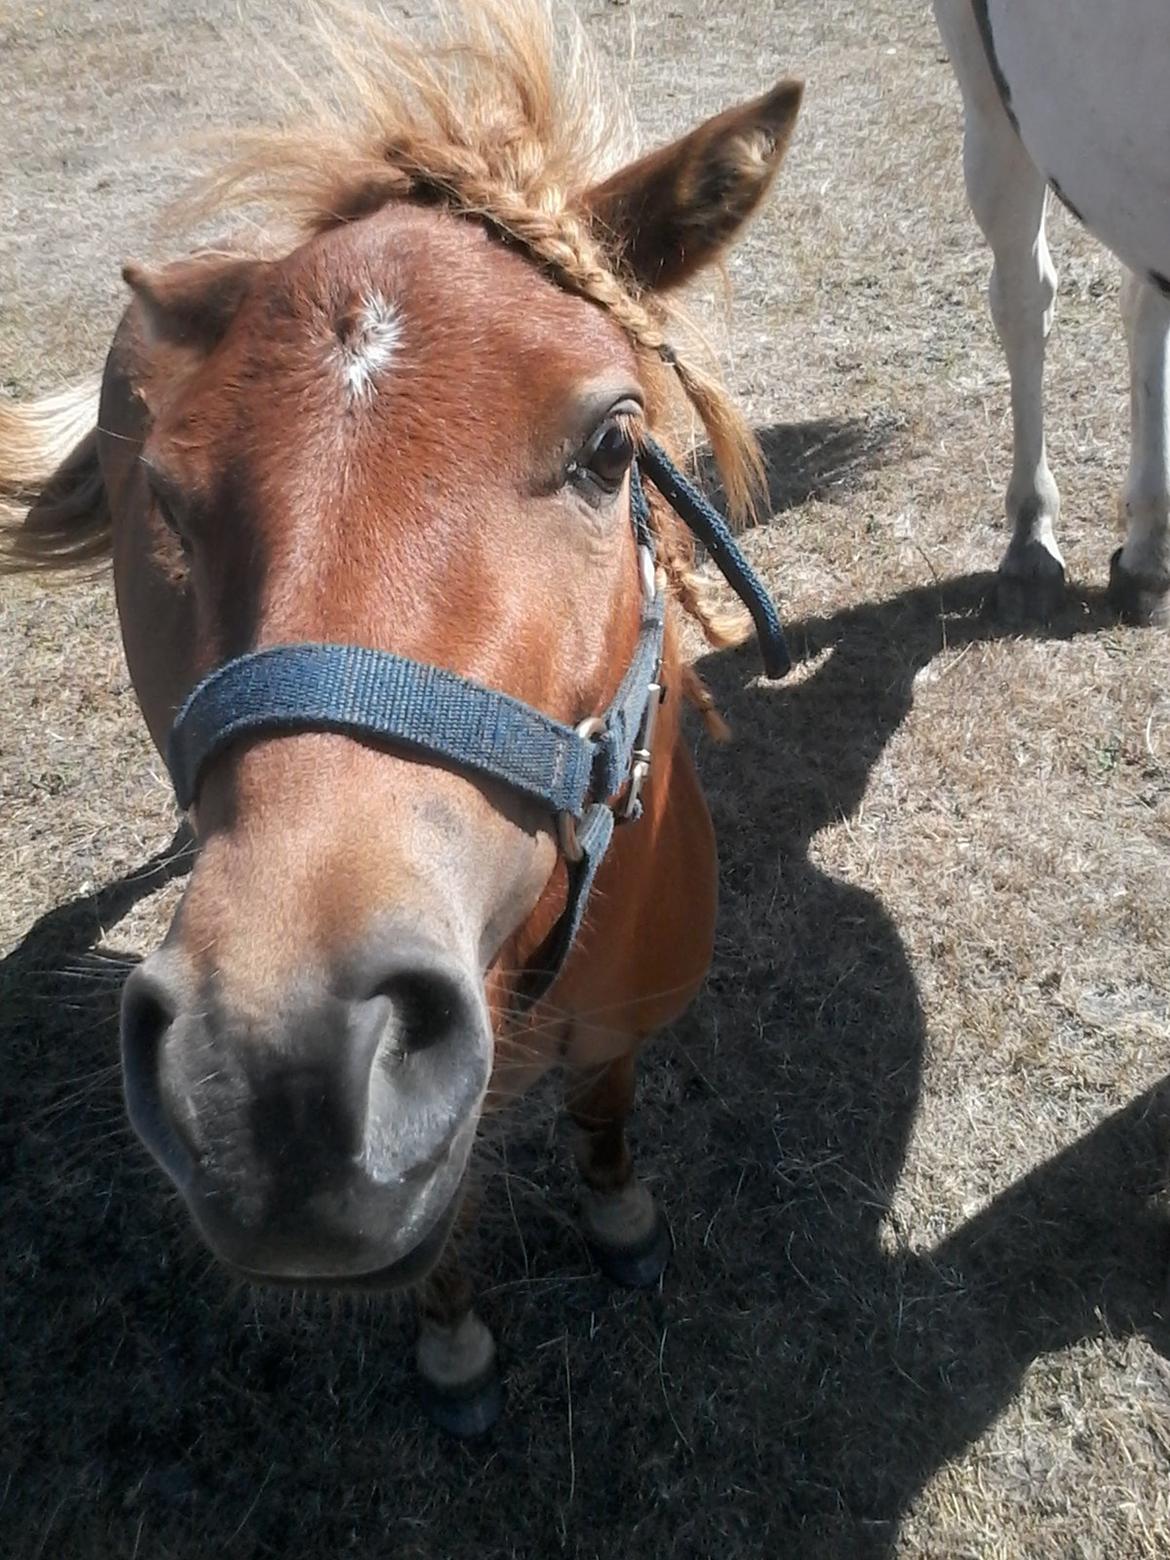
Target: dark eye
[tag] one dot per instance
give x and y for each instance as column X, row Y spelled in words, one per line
column 167, row 516
column 606, row 459
column 167, row 507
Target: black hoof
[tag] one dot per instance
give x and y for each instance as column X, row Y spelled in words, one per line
column 640, row 1266
column 468, row 1413
column 1022, row 600
column 1141, row 605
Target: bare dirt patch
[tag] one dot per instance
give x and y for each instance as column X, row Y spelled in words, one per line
column 911, row 1139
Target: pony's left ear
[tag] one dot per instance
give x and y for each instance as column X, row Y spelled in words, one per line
column 672, row 213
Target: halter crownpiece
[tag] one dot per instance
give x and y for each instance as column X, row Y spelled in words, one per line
column 579, row 774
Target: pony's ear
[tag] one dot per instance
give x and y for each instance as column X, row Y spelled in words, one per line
column 191, row 303
column 672, row 212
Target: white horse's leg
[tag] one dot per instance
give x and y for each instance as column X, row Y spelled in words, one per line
column 1008, row 196
column 1139, row 577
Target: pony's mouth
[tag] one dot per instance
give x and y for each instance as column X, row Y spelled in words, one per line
column 402, row 1273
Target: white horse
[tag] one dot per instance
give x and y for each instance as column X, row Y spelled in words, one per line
column 1073, row 95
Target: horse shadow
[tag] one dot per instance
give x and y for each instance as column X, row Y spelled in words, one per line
column 814, row 459
column 880, row 1363
column 792, row 1387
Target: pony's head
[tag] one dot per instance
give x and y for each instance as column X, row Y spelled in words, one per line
column 412, row 432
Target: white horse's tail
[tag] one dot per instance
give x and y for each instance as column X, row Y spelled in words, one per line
column 54, row 513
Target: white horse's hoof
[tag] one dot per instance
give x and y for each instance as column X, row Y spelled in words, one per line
column 1142, row 602
column 1030, row 586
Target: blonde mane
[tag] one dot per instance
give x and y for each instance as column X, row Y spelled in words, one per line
column 495, row 102
column 504, row 118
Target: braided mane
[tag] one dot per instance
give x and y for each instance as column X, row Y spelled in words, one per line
column 503, row 119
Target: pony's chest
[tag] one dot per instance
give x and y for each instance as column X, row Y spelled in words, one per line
column 1088, row 86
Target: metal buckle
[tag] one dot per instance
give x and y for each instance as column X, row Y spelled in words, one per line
column 567, row 839
column 566, row 823
column 640, row 767
column 638, row 776
column 648, row 572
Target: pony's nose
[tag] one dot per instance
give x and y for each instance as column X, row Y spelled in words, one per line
column 363, row 1079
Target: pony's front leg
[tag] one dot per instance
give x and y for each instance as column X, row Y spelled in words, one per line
column 1139, row 576
column 626, row 1230
column 1008, row 196
column 456, row 1354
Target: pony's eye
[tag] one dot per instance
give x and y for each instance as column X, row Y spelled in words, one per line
column 607, row 457
column 167, row 515
column 167, row 508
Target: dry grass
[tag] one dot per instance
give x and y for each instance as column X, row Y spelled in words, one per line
column 911, row 1138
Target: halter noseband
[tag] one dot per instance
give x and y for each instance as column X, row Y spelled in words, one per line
column 588, row 777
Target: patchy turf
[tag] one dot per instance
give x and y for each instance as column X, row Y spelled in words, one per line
column 911, row 1138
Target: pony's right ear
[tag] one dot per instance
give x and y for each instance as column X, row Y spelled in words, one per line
column 190, row 303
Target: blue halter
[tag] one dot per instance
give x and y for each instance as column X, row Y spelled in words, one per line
column 588, row 777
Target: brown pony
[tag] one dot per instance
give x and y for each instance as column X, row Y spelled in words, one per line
column 410, row 428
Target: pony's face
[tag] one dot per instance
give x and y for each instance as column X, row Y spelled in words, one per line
column 402, row 436
column 406, row 439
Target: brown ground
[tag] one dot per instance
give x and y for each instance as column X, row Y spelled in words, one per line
column 909, row 1139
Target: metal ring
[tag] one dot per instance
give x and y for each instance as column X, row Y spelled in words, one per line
column 567, row 838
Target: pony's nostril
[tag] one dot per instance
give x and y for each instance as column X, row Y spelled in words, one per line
column 425, row 1010
column 147, row 1014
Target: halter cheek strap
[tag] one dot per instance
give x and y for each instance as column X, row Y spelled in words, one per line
column 577, row 774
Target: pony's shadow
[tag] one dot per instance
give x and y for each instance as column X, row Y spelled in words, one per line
column 75, row 928
column 813, row 459
column 886, row 1362
column 818, row 1372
